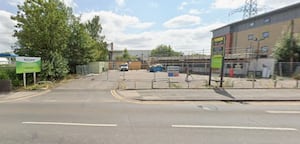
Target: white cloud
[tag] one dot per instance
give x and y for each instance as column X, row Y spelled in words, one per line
column 228, row 4
column 69, row 3
column 6, row 31
column 153, row 4
column 182, row 21
column 15, row 2
column 195, row 11
column 115, row 27
column 116, row 23
column 275, row 4
column 193, row 39
column 120, row 3
column 185, row 39
column 182, row 5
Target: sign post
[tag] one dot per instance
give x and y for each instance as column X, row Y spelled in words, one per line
column 173, row 71
column 217, row 58
column 28, row 65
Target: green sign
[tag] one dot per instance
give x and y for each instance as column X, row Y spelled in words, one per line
column 216, row 62
column 217, row 52
column 28, row 64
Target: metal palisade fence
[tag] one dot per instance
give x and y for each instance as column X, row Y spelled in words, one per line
column 237, row 75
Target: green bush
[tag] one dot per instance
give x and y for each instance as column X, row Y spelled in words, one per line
column 9, row 73
column 3, row 74
column 54, row 69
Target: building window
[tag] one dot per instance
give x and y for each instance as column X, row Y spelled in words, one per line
column 267, row 20
column 252, row 24
column 250, row 37
column 264, row 49
column 265, row 34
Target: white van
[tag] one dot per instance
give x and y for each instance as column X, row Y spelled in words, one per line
column 124, row 67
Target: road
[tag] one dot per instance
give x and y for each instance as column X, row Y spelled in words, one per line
column 84, row 111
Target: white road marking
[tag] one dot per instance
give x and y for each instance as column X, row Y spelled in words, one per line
column 284, row 112
column 70, row 124
column 50, row 100
column 233, row 127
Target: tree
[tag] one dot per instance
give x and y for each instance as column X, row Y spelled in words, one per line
column 94, row 28
column 164, row 51
column 85, row 44
column 42, row 30
column 55, row 67
column 287, row 49
column 99, row 47
column 79, row 50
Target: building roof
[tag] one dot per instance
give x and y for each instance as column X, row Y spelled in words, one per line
column 8, row 55
column 262, row 15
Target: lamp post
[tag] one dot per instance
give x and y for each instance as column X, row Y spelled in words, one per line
column 256, row 58
column 110, row 58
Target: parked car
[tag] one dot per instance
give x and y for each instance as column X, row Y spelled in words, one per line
column 156, row 68
column 124, row 67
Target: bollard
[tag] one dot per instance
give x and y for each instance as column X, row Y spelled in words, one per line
column 169, row 83
column 152, row 84
column 134, row 84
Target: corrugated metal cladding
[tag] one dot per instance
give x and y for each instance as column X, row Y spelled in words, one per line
column 221, row 31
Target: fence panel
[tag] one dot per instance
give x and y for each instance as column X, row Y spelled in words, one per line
column 287, row 69
column 147, row 80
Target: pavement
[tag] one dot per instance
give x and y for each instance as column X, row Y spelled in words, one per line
column 89, row 82
column 83, row 111
column 216, row 94
column 14, row 96
column 110, row 82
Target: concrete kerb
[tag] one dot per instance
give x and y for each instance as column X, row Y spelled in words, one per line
column 225, row 99
column 23, row 96
column 116, row 94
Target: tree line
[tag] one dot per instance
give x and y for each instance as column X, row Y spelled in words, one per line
column 50, row 30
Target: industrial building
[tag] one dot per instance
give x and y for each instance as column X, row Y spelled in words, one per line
column 257, row 36
column 248, row 44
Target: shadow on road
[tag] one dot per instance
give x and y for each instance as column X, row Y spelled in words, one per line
column 223, row 92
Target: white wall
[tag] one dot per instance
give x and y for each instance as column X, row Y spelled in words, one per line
column 3, row 60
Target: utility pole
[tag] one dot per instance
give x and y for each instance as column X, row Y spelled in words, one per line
column 249, row 9
column 292, row 46
column 110, row 59
column 256, row 58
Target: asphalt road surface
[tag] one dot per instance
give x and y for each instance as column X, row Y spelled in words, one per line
column 85, row 112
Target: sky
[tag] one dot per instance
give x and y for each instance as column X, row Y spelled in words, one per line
column 185, row 25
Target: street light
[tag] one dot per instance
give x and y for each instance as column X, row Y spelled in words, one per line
column 256, row 57
column 110, row 58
